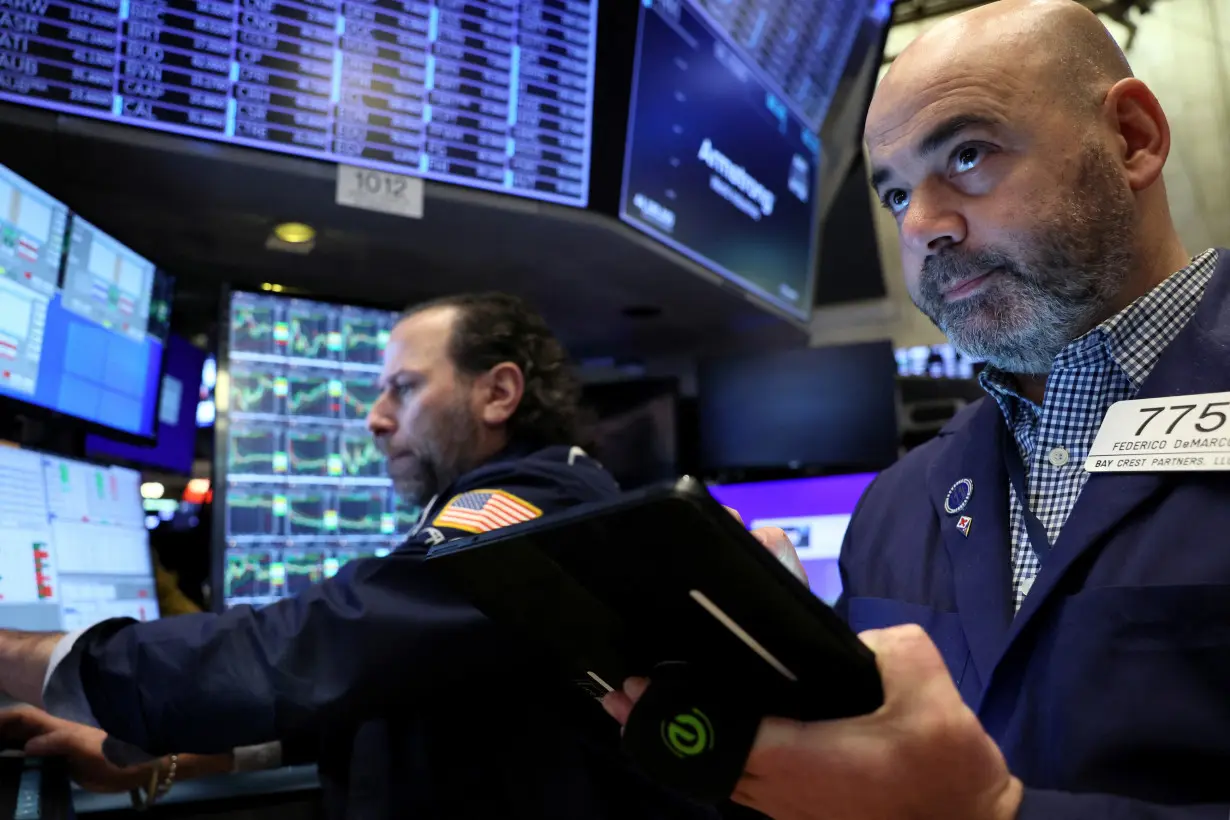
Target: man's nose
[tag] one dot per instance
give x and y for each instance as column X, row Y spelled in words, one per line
column 932, row 223
column 380, row 421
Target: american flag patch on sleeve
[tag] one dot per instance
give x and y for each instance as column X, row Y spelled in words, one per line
column 485, row 510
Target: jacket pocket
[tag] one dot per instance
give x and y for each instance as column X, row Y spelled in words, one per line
column 944, row 628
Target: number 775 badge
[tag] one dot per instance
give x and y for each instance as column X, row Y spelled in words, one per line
column 1171, row 434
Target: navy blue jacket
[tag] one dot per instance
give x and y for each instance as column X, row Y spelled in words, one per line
column 1109, row 691
column 423, row 708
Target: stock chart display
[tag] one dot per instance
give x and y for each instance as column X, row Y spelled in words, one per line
column 494, row 94
column 305, row 486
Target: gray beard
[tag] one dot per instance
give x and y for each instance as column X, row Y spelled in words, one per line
column 1056, row 288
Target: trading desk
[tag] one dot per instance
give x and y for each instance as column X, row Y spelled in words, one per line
column 291, row 792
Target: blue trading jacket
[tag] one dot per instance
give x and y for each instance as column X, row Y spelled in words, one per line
column 416, row 705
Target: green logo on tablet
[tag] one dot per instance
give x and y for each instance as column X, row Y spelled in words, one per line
column 688, row 734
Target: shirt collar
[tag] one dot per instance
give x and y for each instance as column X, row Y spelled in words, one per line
column 1133, row 339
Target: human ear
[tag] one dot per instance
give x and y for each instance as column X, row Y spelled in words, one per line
column 1142, row 131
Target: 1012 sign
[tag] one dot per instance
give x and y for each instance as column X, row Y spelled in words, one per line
column 380, row 191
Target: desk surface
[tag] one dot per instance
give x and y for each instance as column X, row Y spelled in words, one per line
column 218, row 787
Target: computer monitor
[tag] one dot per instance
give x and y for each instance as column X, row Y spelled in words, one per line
column 301, row 486
column 833, row 409
column 814, row 513
column 724, row 157
column 495, row 96
column 83, row 318
column 937, row 361
column 178, row 406
column 75, row 548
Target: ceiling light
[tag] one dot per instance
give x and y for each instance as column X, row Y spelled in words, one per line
column 294, row 233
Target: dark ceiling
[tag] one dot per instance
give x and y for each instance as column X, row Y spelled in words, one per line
column 204, row 211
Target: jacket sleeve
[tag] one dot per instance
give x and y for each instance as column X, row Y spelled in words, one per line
column 381, row 635
column 1051, row 805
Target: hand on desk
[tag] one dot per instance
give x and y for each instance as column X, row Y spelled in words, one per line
column 42, row 735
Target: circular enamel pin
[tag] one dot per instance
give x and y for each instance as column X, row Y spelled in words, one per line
column 958, row 496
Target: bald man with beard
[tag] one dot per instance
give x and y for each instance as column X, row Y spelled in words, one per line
column 1052, row 630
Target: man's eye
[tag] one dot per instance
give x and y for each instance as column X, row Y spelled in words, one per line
column 965, row 158
column 896, row 200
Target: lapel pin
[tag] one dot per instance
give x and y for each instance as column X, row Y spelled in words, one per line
column 959, row 495
column 963, row 524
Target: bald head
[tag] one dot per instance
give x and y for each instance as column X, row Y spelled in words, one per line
column 1022, row 161
column 1057, row 50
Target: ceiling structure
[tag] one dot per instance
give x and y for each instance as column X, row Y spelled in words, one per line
column 204, row 212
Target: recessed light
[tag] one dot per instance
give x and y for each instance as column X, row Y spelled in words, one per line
column 294, row 233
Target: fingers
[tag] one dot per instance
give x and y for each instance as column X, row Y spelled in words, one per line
column 777, row 542
column 733, row 512
column 19, row 724
column 52, row 744
column 908, row 660
column 618, row 704
column 635, row 687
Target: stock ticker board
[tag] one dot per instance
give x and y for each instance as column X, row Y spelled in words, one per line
column 493, row 94
column 305, row 486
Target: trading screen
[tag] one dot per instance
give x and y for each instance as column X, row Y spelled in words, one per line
column 799, row 49
column 75, row 550
column 813, row 512
column 938, row 361
column 723, row 153
column 305, row 485
column 82, row 317
column 494, row 94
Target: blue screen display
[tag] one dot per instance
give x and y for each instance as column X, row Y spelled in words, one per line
column 713, row 168
column 95, row 374
column 82, row 317
column 177, row 413
column 493, row 95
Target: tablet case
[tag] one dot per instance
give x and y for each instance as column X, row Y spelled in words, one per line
column 667, row 576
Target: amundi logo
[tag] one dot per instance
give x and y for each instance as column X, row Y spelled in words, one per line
column 688, row 734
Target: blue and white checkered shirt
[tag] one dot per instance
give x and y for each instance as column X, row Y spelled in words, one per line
column 1106, row 365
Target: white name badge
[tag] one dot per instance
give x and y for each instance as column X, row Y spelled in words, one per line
column 1175, row 433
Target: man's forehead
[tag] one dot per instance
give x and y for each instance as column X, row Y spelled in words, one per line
column 908, row 104
column 418, row 340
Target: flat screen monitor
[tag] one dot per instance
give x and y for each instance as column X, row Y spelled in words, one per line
column 722, row 156
column 302, row 486
column 178, row 403
column 833, row 408
column 76, row 550
column 938, row 361
column 814, row 513
column 492, row 95
column 83, row 318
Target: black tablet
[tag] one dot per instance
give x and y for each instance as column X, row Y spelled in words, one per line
column 666, row 576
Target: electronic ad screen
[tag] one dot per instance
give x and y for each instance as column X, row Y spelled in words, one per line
column 491, row 94
column 717, row 166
